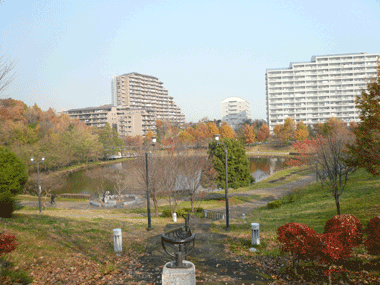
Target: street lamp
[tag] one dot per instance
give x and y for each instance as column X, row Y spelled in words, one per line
column 147, row 187
column 38, row 177
column 216, row 137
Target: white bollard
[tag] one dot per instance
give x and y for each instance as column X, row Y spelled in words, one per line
column 255, row 233
column 117, row 241
column 175, row 217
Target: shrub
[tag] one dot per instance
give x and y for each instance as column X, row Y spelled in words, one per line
column 372, row 243
column 8, row 243
column 332, row 248
column 274, row 204
column 347, row 228
column 299, row 239
column 166, row 213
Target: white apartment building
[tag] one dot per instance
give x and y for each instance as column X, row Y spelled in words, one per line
column 145, row 92
column 314, row 91
column 235, row 110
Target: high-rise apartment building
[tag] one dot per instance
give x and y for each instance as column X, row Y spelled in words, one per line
column 235, row 111
column 139, row 91
column 314, row 91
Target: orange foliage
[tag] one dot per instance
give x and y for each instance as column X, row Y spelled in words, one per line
column 226, row 131
column 249, row 134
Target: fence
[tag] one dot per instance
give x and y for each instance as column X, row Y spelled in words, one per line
column 213, row 215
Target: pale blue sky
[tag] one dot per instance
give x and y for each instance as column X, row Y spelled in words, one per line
column 203, row 51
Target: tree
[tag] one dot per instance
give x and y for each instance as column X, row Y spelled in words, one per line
column 301, row 132
column 249, row 134
column 6, row 72
column 13, row 177
column 366, row 149
column 112, row 144
column 288, row 129
column 277, row 130
column 191, row 166
column 263, row 132
column 237, row 162
column 226, row 131
column 155, row 170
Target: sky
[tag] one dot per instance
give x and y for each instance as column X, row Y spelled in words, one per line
column 203, row 51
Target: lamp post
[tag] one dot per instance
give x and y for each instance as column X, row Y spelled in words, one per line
column 216, row 137
column 38, row 177
column 147, row 187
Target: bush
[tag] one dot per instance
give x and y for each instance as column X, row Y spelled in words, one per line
column 166, row 213
column 372, row 243
column 347, row 228
column 332, row 248
column 274, row 204
column 299, row 239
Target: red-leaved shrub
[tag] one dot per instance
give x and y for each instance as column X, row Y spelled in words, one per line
column 346, row 228
column 372, row 243
column 299, row 239
column 332, row 248
column 8, row 243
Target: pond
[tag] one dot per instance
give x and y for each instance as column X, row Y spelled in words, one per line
column 82, row 183
column 262, row 167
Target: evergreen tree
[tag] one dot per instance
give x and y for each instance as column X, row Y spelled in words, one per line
column 237, row 161
column 13, row 177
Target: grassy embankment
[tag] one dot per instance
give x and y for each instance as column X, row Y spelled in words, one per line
column 312, row 206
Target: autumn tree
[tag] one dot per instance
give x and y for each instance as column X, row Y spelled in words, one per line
column 263, row 132
column 288, row 129
column 249, row 134
column 301, row 133
column 365, row 150
column 212, row 129
column 185, row 137
column 226, row 131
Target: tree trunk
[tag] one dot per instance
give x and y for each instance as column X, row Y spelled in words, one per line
column 337, row 204
column 192, row 203
column 155, row 203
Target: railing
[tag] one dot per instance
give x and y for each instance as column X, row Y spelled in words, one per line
column 213, row 215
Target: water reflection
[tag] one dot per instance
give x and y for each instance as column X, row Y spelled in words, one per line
column 79, row 182
column 262, row 167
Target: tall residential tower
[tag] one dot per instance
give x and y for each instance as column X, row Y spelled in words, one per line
column 314, row 91
column 140, row 91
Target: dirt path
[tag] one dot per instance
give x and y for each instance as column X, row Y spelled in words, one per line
column 270, row 194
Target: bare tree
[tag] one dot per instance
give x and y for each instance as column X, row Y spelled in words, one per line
column 6, row 72
column 169, row 182
column 155, row 167
column 119, row 178
column 190, row 169
column 330, row 154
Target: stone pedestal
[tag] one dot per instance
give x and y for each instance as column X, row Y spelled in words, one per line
column 178, row 276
